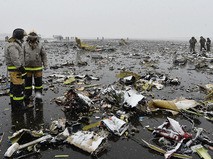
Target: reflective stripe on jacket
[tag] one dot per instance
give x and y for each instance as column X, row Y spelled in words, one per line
column 33, row 68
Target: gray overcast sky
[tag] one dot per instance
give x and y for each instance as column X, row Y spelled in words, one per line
column 110, row 18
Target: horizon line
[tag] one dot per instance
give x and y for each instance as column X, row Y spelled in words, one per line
column 2, row 36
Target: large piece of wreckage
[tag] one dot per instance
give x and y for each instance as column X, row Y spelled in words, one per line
column 74, row 102
column 26, row 142
column 83, row 46
column 177, row 142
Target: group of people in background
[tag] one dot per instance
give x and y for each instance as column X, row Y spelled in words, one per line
column 25, row 61
column 204, row 44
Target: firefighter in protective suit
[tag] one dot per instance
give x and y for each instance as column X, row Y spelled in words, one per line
column 202, row 43
column 192, row 43
column 208, row 44
column 35, row 59
column 14, row 57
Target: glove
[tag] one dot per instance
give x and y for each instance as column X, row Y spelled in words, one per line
column 21, row 69
column 23, row 72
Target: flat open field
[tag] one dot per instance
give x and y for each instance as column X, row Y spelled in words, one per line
column 138, row 56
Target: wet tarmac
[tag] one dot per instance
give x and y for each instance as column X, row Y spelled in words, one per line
column 138, row 56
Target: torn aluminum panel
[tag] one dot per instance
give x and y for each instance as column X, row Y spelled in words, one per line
column 158, row 85
column 61, row 136
column 15, row 147
column 132, row 98
column 87, row 141
column 158, row 149
column 117, row 126
column 110, row 89
column 28, row 135
column 176, row 133
column 169, row 153
column 128, row 80
column 67, row 98
column 85, row 98
column 176, row 126
column 182, row 103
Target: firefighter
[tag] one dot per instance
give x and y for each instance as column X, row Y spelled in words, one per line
column 14, row 56
column 192, row 43
column 208, row 44
column 202, row 43
column 35, row 59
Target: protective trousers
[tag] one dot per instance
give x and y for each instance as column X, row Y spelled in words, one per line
column 16, row 91
column 202, row 46
column 208, row 47
column 192, row 48
column 37, row 77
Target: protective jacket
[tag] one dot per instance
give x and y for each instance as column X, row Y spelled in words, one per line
column 208, row 42
column 202, row 41
column 35, row 57
column 14, row 54
column 192, row 42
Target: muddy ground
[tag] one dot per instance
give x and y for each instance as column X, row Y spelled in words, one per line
column 138, row 56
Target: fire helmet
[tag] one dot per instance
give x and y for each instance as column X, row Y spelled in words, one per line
column 19, row 33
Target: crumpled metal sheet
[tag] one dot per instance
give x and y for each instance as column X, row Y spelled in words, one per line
column 132, row 98
column 85, row 98
column 115, row 125
column 128, row 80
column 175, row 133
column 169, row 153
column 163, row 104
column 158, row 149
column 176, row 126
column 18, row 135
column 62, row 99
column 86, row 140
column 57, row 126
column 176, row 105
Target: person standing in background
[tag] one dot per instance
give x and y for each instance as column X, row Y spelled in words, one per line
column 202, row 43
column 192, row 43
column 208, row 44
